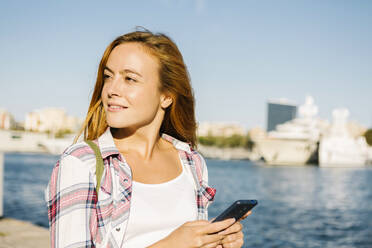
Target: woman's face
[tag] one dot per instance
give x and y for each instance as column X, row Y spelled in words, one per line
column 131, row 95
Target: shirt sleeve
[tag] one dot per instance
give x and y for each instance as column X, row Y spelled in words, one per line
column 207, row 192
column 71, row 197
column 204, row 169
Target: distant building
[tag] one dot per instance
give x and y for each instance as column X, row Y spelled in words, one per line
column 220, row 129
column 356, row 129
column 279, row 112
column 6, row 120
column 51, row 120
column 257, row 133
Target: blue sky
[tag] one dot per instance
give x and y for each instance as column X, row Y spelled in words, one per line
column 239, row 53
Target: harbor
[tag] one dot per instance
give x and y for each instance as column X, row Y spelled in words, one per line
column 32, row 142
column 304, row 206
column 315, row 206
column 275, row 163
column 308, row 139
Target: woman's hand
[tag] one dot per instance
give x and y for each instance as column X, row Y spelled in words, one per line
column 200, row 234
column 234, row 235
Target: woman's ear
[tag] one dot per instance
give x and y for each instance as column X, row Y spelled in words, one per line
column 166, row 101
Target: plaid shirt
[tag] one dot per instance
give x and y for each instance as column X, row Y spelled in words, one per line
column 77, row 219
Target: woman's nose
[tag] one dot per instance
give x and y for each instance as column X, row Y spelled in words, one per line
column 115, row 87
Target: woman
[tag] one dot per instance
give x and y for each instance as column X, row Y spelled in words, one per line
column 154, row 190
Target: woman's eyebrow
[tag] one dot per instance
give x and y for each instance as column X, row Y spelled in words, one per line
column 124, row 70
column 130, row 71
column 106, row 68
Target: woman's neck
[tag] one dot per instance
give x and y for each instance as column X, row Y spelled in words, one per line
column 142, row 141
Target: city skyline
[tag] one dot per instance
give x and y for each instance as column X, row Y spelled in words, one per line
column 239, row 55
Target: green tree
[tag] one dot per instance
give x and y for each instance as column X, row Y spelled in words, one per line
column 368, row 136
column 234, row 140
column 207, row 140
column 61, row 133
column 248, row 143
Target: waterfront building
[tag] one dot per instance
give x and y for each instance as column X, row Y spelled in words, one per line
column 257, row 133
column 279, row 112
column 339, row 146
column 223, row 129
column 293, row 142
column 6, row 120
column 51, row 120
column 356, row 129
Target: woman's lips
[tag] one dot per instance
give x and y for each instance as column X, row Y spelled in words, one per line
column 115, row 108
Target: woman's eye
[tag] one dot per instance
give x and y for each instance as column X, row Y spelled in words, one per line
column 105, row 76
column 130, row 79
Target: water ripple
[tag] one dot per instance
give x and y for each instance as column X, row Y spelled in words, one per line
column 298, row 206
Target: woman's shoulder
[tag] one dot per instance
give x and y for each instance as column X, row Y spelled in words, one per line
column 80, row 150
column 77, row 154
column 197, row 156
column 200, row 164
column 72, row 173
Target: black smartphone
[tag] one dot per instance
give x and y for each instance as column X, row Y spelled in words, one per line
column 237, row 210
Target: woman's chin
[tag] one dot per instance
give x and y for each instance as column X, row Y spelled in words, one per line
column 117, row 124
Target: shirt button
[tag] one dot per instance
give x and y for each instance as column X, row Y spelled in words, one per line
column 118, row 229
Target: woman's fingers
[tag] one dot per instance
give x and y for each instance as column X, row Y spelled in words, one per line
column 236, row 244
column 217, row 226
column 236, row 227
column 213, row 245
column 212, row 238
column 246, row 215
column 224, row 234
column 233, row 240
column 197, row 223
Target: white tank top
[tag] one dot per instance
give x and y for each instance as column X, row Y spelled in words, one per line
column 158, row 209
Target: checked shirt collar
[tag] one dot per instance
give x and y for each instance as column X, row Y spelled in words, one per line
column 108, row 147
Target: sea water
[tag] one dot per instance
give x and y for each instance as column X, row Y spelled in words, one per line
column 303, row 206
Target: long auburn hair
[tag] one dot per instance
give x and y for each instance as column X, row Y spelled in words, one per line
column 179, row 119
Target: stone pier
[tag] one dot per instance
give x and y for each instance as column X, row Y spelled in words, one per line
column 21, row 234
